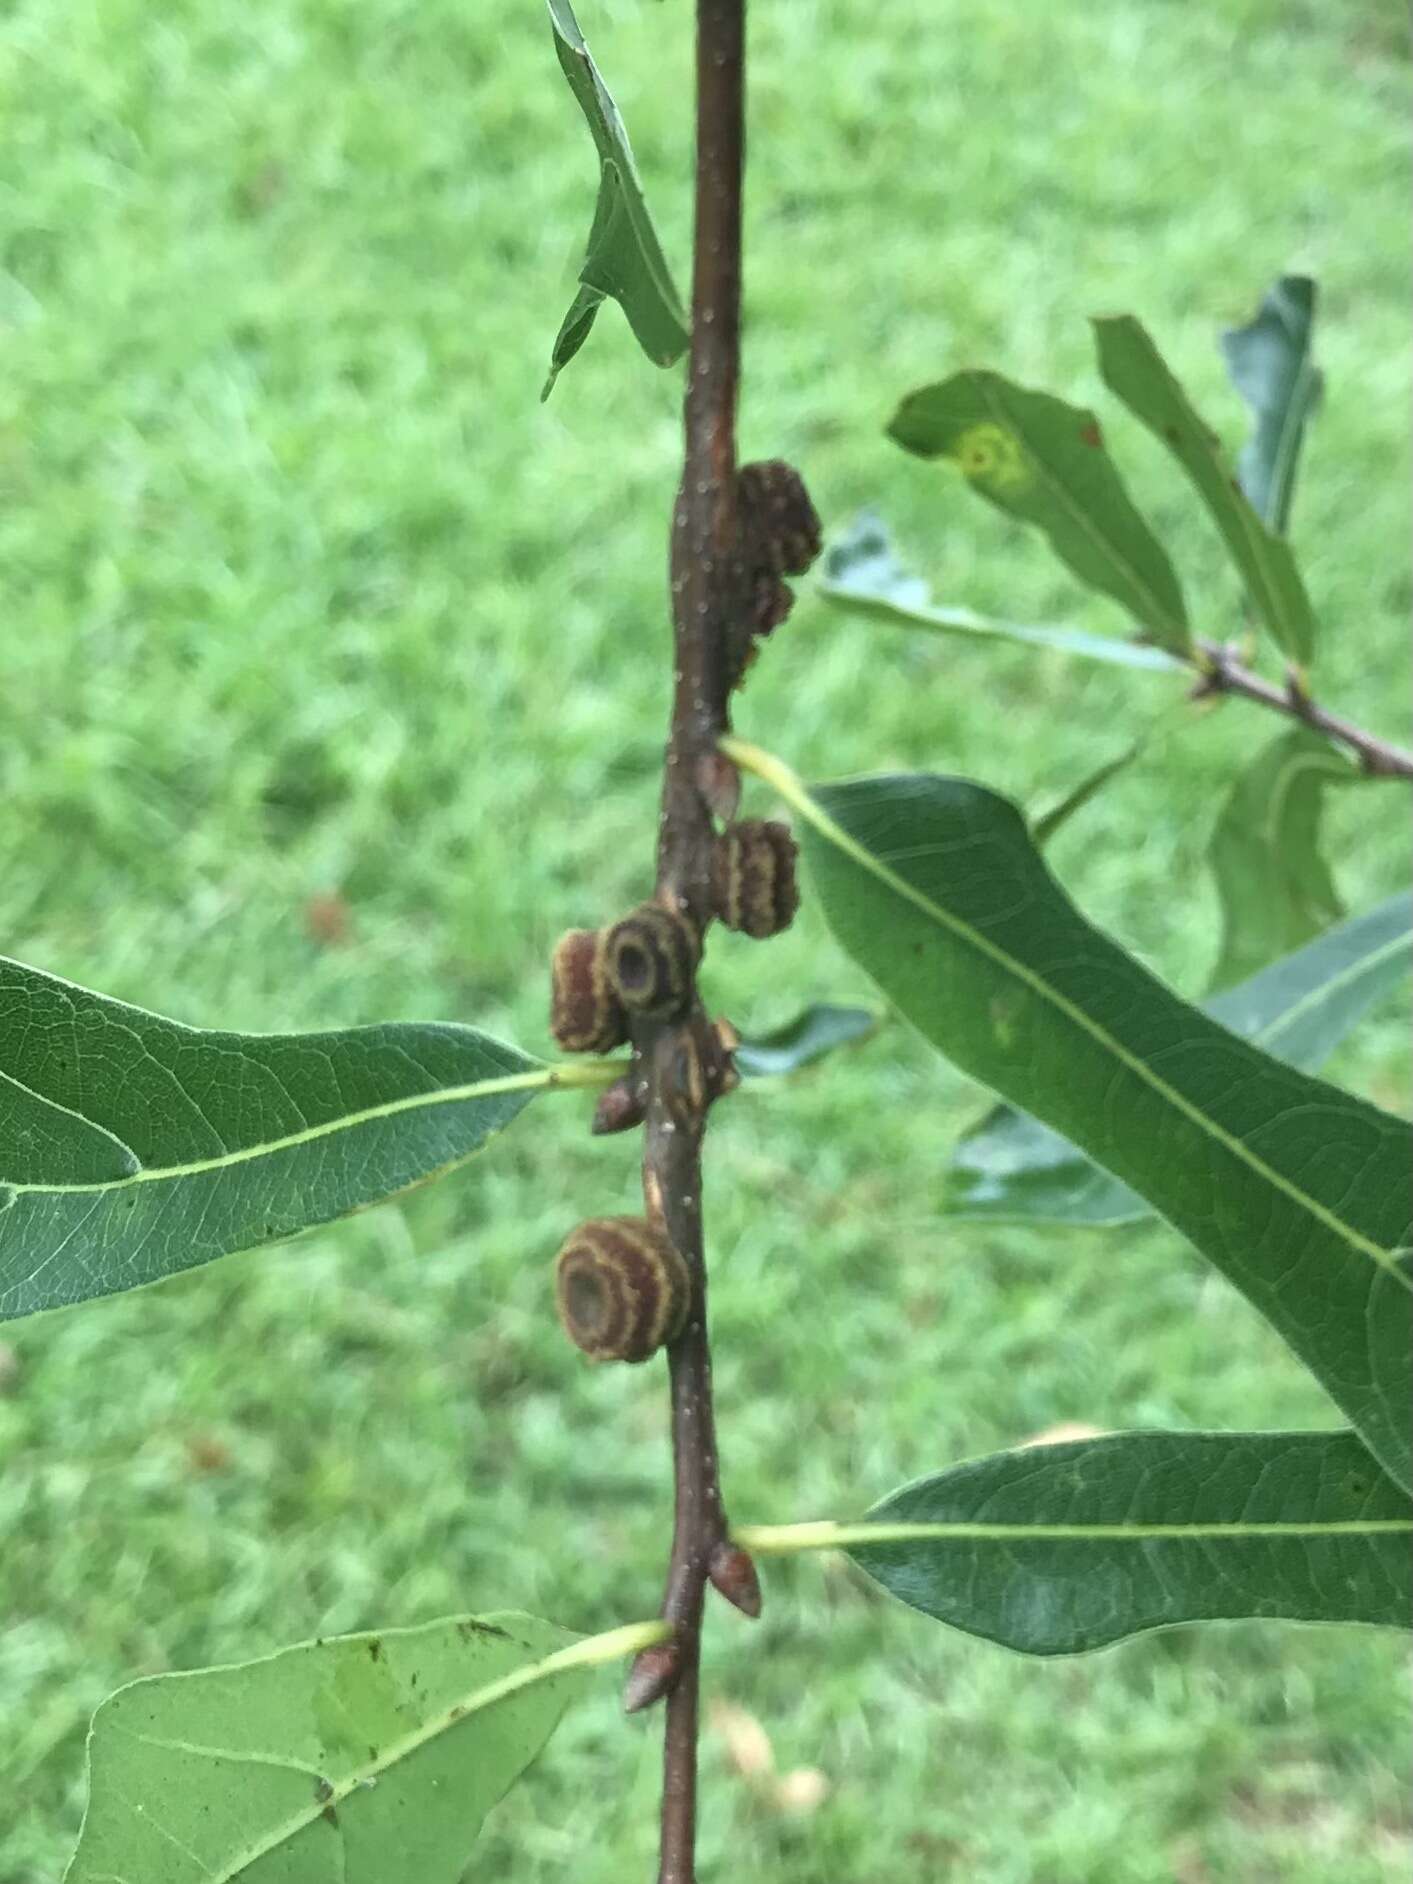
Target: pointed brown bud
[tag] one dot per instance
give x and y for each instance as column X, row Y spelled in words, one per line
column 733, row 1575
column 620, row 1107
column 753, row 878
column 621, row 1287
column 653, row 1674
column 719, row 783
column 585, row 1014
column 777, row 512
column 650, row 958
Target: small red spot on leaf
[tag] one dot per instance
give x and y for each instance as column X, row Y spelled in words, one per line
column 1091, row 435
column 326, row 920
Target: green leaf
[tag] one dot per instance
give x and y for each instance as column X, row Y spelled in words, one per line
column 1275, row 888
column 1060, row 1548
column 1009, row 1168
column 1270, row 366
column 1043, row 461
column 814, row 1032
column 1135, row 370
column 863, row 575
column 624, row 259
column 1044, row 827
column 132, row 1147
column 359, row 1756
column 1296, row 1191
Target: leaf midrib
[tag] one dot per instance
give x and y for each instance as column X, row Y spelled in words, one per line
column 589, row 1652
column 776, row 773
column 830, row 1534
column 448, row 1095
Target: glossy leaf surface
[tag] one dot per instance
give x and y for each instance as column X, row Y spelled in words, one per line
column 132, row 1147
column 1010, row 1168
column 624, row 259
column 1135, row 370
column 1296, row 1191
column 1045, row 462
column 862, row 574
column 1059, row 1548
column 1275, row 886
column 1269, row 360
column 362, row 1756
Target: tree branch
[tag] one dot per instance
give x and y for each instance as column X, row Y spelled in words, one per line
column 683, row 1062
column 1222, row 672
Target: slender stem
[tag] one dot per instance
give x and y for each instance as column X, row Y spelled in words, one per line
column 681, row 1060
column 1224, row 673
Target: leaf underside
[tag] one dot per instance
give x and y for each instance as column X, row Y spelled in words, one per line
column 1269, row 360
column 810, row 1035
column 623, row 260
column 1275, row 887
column 366, row 1756
column 862, row 574
column 132, row 1147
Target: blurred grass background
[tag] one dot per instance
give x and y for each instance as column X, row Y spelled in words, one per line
column 333, row 679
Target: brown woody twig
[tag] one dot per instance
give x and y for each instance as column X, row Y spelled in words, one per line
column 1224, row 673
column 682, row 1062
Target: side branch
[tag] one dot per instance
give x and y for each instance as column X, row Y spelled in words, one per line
column 1224, row 673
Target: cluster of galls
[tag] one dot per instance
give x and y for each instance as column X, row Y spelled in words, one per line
column 643, row 965
column 621, row 1286
column 781, row 534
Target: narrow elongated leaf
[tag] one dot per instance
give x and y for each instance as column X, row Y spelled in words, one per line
column 1088, row 788
column 1056, row 1549
column 1275, row 887
column 1135, row 370
column 814, row 1032
column 1296, row 1191
column 862, row 574
column 624, row 259
column 1010, row 1168
column 1044, row 462
column 360, row 1756
column 1269, row 360
column 132, row 1147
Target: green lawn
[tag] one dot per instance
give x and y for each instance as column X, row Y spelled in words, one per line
column 306, row 595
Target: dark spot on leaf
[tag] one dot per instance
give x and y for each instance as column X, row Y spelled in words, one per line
column 1172, row 434
column 469, row 1626
column 375, row 1647
column 330, row 1817
column 322, row 1788
column 372, row 1753
column 1091, row 435
column 455, row 1713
